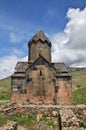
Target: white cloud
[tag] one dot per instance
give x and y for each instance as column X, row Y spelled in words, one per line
column 17, row 52
column 7, row 65
column 15, row 38
column 70, row 45
column 16, row 30
column 24, row 58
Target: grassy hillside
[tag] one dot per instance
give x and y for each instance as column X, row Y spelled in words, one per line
column 5, row 86
column 79, row 78
column 78, row 84
column 79, row 96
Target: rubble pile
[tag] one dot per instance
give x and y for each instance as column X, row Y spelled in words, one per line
column 70, row 115
column 68, row 118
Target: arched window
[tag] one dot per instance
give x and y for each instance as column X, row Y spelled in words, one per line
column 40, row 72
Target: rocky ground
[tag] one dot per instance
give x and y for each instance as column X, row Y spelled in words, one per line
column 48, row 117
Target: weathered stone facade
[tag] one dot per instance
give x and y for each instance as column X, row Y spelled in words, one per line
column 39, row 81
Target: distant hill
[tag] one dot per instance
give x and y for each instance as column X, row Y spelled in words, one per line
column 78, row 85
column 76, row 69
column 78, row 77
column 5, row 83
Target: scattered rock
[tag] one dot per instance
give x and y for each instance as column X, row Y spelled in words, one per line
column 39, row 116
column 68, row 118
column 9, row 126
column 40, row 125
column 54, row 113
column 69, row 114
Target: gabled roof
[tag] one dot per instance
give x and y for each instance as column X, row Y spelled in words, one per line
column 21, row 66
column 40, row 36
column 41, row 61
column 60, row 66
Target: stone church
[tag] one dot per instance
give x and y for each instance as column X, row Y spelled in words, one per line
column 39, row 81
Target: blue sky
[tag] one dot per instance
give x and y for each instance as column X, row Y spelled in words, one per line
column 21, row 19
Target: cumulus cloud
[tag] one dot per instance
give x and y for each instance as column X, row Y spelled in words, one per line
column 70, row 45
column 7, row 65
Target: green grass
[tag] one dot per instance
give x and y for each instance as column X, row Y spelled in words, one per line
column 5, row 86
column 5, row 83
column 29, row 120
column 79, row 78
column 49, row 121
column 4, row 102
column 79, row 81
column 79, row 96
column 84, row 119
column 3, row 120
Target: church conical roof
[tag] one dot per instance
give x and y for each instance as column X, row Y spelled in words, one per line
column 40, row 36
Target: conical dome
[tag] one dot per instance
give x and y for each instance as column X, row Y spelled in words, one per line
column 40, row 36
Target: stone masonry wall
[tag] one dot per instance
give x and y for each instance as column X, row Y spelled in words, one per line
column 64, row 95
column 41, row 88
column 39, row 48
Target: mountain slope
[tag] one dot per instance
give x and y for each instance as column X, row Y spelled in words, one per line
column 79, row 86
